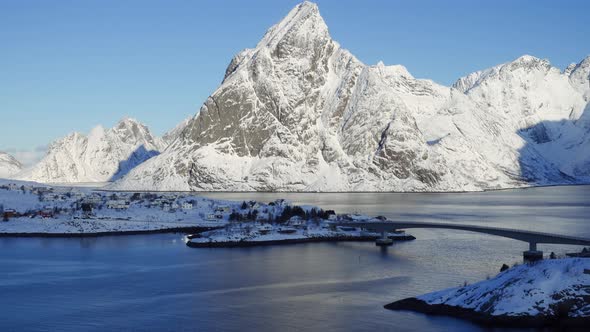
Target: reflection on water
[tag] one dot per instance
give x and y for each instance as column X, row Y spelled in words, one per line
column 154, row 282
column 551, row 209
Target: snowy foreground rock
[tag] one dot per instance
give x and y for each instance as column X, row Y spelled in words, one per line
column 549, row 292
column 299, row 113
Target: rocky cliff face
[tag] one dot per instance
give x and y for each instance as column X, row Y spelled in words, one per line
column 102, row 155
column 298, row 112
column 8, row 165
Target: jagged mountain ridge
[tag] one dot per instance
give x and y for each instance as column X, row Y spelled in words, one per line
column 100, row 156
column 170, row 136
column 298, row 112
column 8, row 165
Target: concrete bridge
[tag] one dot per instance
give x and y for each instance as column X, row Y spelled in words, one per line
column 532, row 238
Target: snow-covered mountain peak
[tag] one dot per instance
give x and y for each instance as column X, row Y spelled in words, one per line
column 8, row 165
column 133, row 132
column 298, row 112
column 568, row 70
column 527, row 59
column 393, row 70
column 518, row 68
column 170, row 136
column 465, row 83
column 529, row 63
column 97, row 157
column 302, row 28
column 580, row 77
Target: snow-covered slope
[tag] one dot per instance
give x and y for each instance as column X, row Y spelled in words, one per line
column 8, row 165
column 102, row 155
column 170, row 136
column 298, row 112
column 550, row 288
column 579, row 76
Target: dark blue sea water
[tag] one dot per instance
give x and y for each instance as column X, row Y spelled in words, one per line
column 156, row 283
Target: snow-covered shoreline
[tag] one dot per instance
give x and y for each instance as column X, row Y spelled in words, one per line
column 546, row 293
column 265, row 234
column 30, row 209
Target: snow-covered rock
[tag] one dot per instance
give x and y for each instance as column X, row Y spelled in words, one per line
column 100, row 156
column 170, row 136
column 300, row 113
column 8, row 165
column 579, row 76
column 529, row 294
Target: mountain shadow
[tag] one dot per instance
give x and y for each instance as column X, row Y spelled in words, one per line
column 138, row 156
column 556, row 152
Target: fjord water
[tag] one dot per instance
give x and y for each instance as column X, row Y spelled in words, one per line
column 155, row 282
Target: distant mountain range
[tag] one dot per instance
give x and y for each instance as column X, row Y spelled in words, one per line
column 102, row 155
column 300, row 113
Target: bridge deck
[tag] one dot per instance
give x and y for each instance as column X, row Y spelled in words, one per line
column 517, row 234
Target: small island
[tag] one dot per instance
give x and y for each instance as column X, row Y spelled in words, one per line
column 295, row 230
column 554, row 292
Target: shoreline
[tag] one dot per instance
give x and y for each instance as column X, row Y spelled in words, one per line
column 244, row 244
column 416, row 305
column 343, row 192
column 188, row 229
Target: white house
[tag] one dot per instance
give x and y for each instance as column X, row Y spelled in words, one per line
column 56, row 198
column 223, row 209
column 77, row 194
column 297, row 221
column 93, row 199
column 187, row 206
column 117, row 204
column 214, row 216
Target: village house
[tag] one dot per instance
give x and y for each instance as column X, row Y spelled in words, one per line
column 187, row 206
column 54, row 198
column 264, row 229
column 223, row 209
column 93, row 199
column 214, row 216
column 297, row 221
column 12, row 186
column 77, row 195
column 117, row 204
column 46, row 213
column 9, row 213
column 41, row 190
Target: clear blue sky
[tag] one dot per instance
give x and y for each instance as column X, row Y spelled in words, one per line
column 70, row 65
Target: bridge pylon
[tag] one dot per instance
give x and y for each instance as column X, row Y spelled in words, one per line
column 532, row 254
column 384, row 240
